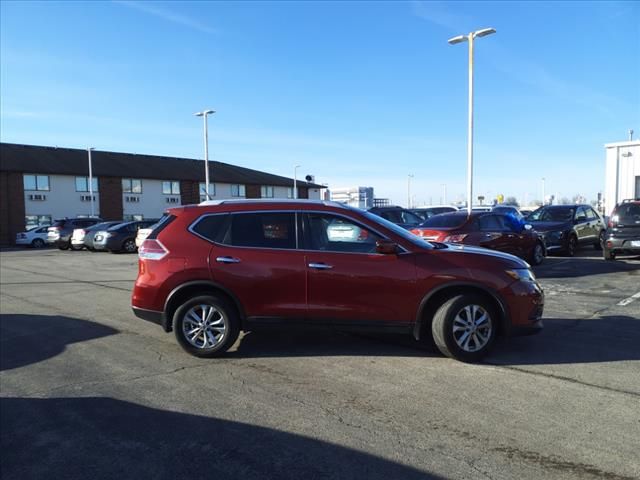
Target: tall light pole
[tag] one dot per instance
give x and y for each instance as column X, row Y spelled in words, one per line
column 204, row 114
column 459, row 39
column 444, row 193
column 89, row 150
column 295, row 181
column 409, row 177
column 543, row 193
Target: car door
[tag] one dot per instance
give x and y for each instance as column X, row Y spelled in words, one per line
column 255, row 257
column 595, row 223
column 491, row 234
column 347, row 281
column 581, row 225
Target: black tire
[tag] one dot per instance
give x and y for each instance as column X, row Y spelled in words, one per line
column 608, row 254
column 537, row 254
column 64, row 246
column 572, row 246
column 227, row 314
column 442, row 327
column 75, row 248
column 600, row 243
column 129, row 246
column 37, row 243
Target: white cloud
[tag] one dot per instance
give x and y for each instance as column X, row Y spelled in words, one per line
column 168, row 15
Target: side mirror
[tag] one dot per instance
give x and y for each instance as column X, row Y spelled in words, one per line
column 386, row 247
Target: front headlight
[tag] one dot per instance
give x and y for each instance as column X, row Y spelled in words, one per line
column 522, row 274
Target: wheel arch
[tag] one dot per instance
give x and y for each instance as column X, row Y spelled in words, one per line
column 438, row 296
column 182, row 292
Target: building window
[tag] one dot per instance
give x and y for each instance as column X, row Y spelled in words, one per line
column 131, row 185
column 82, row 184
column 132, row 218
column 203, row 191
column 36, row 182
column 171, row 188
column 32, row 221
column 266, row 191
column 238, row 191
column 290, row 192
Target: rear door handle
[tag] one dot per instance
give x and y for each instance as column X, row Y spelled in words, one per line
column 320, row 266
column 227, row 260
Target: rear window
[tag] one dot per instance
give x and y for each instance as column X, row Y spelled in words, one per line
column 552, row 214
column 212, row 227
column 628, row 213
column 445, row 221
column 59, row 223
column 165, row 220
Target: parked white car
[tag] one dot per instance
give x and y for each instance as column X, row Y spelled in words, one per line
column 35, row 237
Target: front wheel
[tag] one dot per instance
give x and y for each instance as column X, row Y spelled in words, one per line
column 129, row 246
column 464, row 327
column 537, row 255
column 206, row 325
column 572, row 246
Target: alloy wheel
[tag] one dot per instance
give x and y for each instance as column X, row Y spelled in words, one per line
column 204, row 326
column 472, row 328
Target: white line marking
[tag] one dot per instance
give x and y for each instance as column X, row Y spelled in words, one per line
column 628, row 300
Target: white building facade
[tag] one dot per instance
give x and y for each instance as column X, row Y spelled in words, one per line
column 622, row 174
column 358, row 197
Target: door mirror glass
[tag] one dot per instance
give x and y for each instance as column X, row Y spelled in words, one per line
column 386, row 247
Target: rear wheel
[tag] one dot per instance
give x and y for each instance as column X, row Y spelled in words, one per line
column 464, row 327
column 206, row 325
column 129, row 246
column 64, row 246
column 572, row 246
column 75, row 248
column 37, row 243
column 537, row 255
column 608, row 254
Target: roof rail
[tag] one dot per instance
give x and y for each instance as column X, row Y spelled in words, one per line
column 272, row 200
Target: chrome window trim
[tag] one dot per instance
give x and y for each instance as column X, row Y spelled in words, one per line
column 297, row 249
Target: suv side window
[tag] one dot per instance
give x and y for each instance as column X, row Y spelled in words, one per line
column 332, row 233
column 491, row 223
column 212, row 227
column 581, row 214
column 262, row 230
column 591, row 215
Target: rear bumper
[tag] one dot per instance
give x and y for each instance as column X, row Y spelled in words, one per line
column 619, row 244
column 150, row 316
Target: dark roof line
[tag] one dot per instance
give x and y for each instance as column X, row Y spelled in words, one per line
column 73, row 161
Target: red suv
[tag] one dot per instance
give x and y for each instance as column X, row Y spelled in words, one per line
column 209, row 271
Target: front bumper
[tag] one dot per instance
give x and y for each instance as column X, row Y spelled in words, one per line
column 526, row 307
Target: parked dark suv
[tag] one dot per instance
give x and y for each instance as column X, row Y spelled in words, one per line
column 566, row 227
column 209, row 271
column 60, row 232
column 623, row 234
column 121, row 237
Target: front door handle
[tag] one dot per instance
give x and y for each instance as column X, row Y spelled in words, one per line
column 227, row 260
column 320, row 266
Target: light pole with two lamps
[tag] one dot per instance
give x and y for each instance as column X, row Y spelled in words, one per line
column 204, row 114
column 459, row 39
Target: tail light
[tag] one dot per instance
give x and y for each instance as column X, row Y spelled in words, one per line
column 455, row 238
column 418, row 232
column 613, row 221
column 152, row 250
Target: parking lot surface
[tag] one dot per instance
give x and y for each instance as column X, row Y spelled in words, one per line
column 90, row 391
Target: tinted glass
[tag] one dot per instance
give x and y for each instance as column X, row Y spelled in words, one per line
column 401, row 232
column 552, row 214
column 212, row 227
column 262, row 230
column 445, row 221
column 628, row 213
column 591, row 215
column 491, row 223
column 391, row 215
column 332, row 233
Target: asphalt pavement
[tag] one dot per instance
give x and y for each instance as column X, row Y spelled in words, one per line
column 89, row 391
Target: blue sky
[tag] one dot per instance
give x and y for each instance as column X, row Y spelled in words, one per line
column 356, row 92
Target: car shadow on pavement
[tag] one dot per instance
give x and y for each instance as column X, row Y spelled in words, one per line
column 326, row 342
column 105, row 438
column 566, row 267
column 27, row 339
column 611, row 338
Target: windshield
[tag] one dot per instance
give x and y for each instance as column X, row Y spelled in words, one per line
column 445, row 221
column 397, row 230
column 552, row 214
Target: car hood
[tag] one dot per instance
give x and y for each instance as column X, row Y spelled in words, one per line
column 512, row 260
column 550, row 226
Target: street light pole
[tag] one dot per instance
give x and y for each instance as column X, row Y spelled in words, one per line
column 459, row 39
column 295, row 181
column 543, row 193
column 89, row 150
column 409, row 177
column 204, row 114
column 444, row 193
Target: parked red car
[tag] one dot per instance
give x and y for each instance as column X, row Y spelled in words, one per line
column 485, row 229
column 209, row 271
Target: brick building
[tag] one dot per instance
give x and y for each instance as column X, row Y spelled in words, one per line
column 39, row 184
